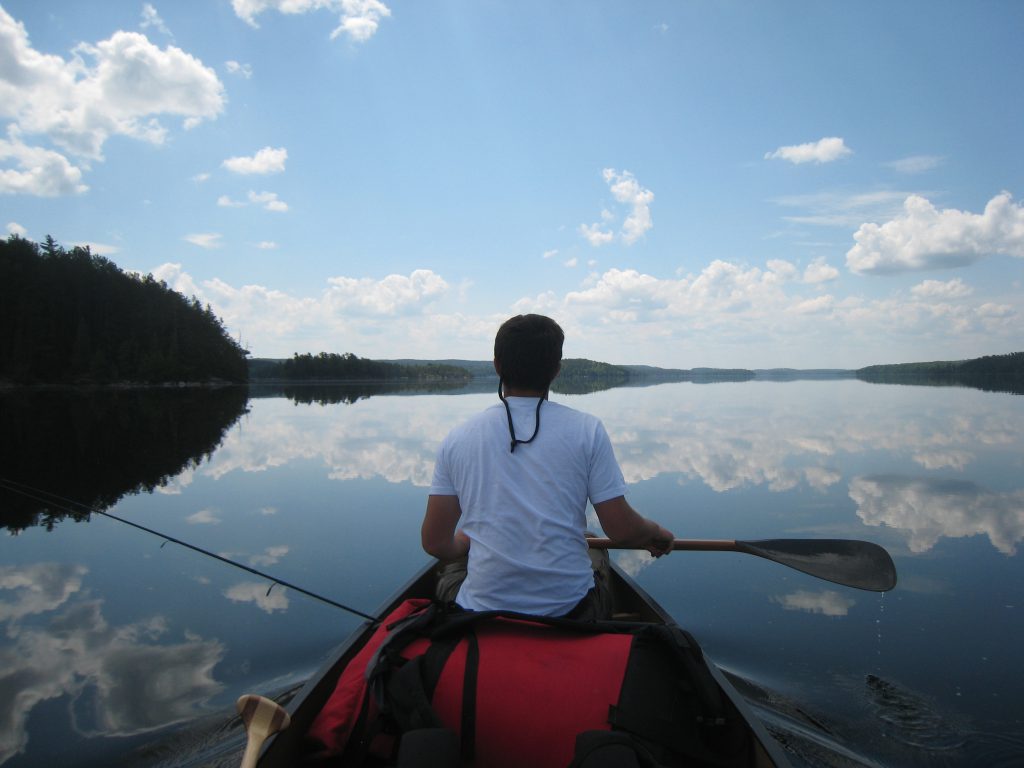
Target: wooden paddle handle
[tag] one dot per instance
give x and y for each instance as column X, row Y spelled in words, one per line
column 262, row 718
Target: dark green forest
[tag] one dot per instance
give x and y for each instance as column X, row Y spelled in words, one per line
column 72, row 317
column 328, row 366
column 995, row 373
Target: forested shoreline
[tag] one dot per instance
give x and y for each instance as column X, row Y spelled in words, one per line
column 73, row 317
column 329, row 366
column 993, row 373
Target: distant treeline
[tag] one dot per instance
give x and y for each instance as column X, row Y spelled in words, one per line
column 72, row 317
column 576, row 370
column 996, row 373
column 328, row 366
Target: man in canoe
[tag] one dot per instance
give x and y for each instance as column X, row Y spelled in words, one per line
column 518, row 477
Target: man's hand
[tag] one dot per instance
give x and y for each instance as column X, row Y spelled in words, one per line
column 661, row 541
column 627, row 527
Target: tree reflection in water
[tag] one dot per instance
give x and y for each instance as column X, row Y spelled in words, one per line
column 95, row 447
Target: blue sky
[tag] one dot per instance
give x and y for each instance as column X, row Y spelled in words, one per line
column 748, row 184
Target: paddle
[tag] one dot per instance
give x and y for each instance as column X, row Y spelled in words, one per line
column 262, row 718
column 858, row 564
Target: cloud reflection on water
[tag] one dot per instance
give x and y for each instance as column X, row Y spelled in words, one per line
column 772, row 437
column 826, row 602
column 119, row 679
column 933, row 508
column 256, row 593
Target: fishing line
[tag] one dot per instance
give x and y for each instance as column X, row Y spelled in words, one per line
column 61, row 503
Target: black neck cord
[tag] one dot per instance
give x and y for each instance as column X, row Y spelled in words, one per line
column 511, row 428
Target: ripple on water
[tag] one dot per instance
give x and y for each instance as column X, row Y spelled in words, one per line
column 879, row 724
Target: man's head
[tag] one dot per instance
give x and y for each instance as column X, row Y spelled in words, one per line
column 528, row 351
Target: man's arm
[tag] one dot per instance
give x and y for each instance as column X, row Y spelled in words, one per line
column 438, row 533
column 625, row 526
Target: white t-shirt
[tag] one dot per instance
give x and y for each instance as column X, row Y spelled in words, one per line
column 525, row 511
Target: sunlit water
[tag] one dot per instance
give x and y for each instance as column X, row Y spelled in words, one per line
column 118, row 648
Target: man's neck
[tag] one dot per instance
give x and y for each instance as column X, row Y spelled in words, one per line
column 517, row 392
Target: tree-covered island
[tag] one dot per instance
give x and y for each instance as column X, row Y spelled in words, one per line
column 73, row 317
column 331, row 367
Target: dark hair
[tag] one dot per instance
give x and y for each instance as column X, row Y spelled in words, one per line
column 528, row 349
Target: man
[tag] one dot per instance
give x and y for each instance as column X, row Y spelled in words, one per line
column 518, row 476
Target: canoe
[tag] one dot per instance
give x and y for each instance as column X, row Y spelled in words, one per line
column 289, row 747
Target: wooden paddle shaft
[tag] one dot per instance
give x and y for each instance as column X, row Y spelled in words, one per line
column 699, row 545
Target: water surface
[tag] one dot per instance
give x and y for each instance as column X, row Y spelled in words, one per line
column 120, row 648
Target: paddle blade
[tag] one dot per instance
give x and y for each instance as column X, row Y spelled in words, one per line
column 858, row 564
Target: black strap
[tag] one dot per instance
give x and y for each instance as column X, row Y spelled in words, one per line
column 469, row 679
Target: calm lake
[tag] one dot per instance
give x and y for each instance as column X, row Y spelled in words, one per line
column 120, row 648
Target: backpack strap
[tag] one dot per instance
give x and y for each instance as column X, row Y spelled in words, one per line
column 684, row 712
column 468, row 725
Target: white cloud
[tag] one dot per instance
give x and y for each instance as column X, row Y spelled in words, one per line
column 396, row 313
column 926, row 238
column 935, row 289
column 36, row 171
column 813, row 306
column 150, row 18
column 824, row 150
column 394, row 294
column 818, row 271
column 636, row 199
column 236, row 68
column 266, row 245
column 727, row 314
column 14, row 228
column 596, row 236
column 915, row 164
column 267, row 160
column 551, row 254
column 205, row 239
column 625, row 189
column 358, row 19
column 572, row 262
column 199, row 178
column 269, row 201
column 117, row 86
column 780, row 270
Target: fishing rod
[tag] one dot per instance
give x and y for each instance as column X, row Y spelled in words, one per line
column 62, row 503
